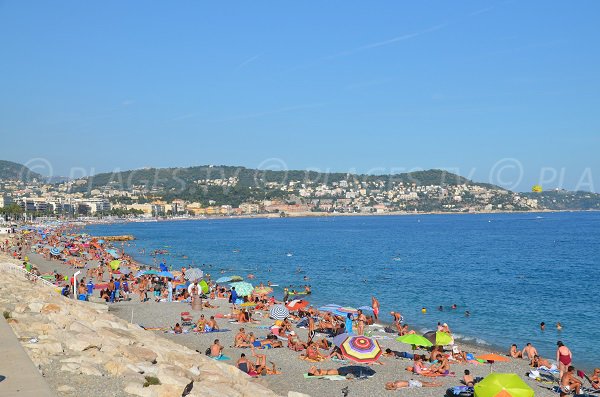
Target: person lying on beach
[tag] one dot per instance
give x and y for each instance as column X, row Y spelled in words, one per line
column 401, row 384
column 324, row 344
column 314, row 371
column 405, row 331
column 514, row 353
column 538, row 361
column 459, row 355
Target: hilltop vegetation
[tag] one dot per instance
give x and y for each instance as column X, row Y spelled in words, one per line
column 17, row 172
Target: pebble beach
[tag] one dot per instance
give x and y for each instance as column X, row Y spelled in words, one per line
column 160, row 317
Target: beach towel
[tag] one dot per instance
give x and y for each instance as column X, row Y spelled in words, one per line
column 221, row 358
column 330, row 377
column 339, row 360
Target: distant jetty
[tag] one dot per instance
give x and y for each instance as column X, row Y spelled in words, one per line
column 127, row 237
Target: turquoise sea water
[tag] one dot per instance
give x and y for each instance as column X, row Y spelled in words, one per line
column 511, row 271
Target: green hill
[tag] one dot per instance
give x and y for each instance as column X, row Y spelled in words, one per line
column 15, row 171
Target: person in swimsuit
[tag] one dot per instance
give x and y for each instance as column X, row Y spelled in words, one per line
column 564, row 357
column 595, row 379
column 530, row 351
column 568, row 382
column 400, row 384
column 514, row 353
column 361, row 321
column 375, row 306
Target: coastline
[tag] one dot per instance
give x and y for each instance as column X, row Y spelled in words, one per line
column 164, row 315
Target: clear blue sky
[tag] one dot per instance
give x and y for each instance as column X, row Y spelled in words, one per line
column 338, row 85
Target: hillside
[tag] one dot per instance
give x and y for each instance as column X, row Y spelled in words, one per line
column 15, row 171
column 561, row 200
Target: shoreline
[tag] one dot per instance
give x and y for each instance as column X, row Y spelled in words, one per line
column 164, row 315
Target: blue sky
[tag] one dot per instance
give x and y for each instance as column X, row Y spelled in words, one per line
column 500, row 91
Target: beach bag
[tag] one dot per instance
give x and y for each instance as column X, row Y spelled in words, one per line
column 207, row 352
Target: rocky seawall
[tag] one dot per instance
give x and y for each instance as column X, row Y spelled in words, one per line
column 82, row 349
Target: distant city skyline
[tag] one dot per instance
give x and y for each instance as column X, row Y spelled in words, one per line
column 502, row 92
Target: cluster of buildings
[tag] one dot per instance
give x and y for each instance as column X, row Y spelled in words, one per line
column 295, row 197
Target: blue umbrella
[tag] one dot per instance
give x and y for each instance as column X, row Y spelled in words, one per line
column 329, row 308
column 165, row 274
column 54, row 251
column 114, row 254
column 183, row 286
column 366, row 308
column 225, row 279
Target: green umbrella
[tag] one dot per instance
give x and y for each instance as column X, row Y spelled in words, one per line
column 503, row 385
column 414, row 339
column 204, row 286
column 115, row 264
column 438, row 338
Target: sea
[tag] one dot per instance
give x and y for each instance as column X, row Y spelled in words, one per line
column 509, row 271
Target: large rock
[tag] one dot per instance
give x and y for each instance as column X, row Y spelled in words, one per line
column 47, row 347
column 89, row 370
column 118, row 369
column 80, row 328
column 138, row 354
column 50, row 308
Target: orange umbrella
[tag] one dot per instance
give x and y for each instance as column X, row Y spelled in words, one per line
column 491, row 357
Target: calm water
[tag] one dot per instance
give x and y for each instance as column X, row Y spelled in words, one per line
column 511, row 271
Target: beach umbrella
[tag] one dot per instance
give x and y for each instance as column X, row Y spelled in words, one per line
column 296, row 304
column 415, row 340
column 236, row 278
column 343, row 311
column 224, row 279
column 329, row 308
column 339, row 339
column 140, row 273
column 181, row 286
column 263, row 290
column 151, row 272
column 115, row 264
column 366, row 308
column 503, row 385
column 204, row 287
column 491, row 358
column 360, row 349
column 243, row 288
column 438, row 338
column 194, row 274
column 165, row 274
column 113, row 253
column 279, row 312
column 54, row 251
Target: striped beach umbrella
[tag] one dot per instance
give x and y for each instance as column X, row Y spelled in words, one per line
column 360, row 349
column 347, row 309
column 279, row 312
column 224, row 279
column 194, row 274
column 54, row 251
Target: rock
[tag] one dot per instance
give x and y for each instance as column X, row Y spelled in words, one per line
column 89, row 370
column 117, row 369
column 168, row 390
column 138, row 390
column 80, row 344
column 35, row 307
column 79, row 327
column 70, row 367
column 49, row 308
column 47, row 346
column 136, row 354
column 65, row 389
